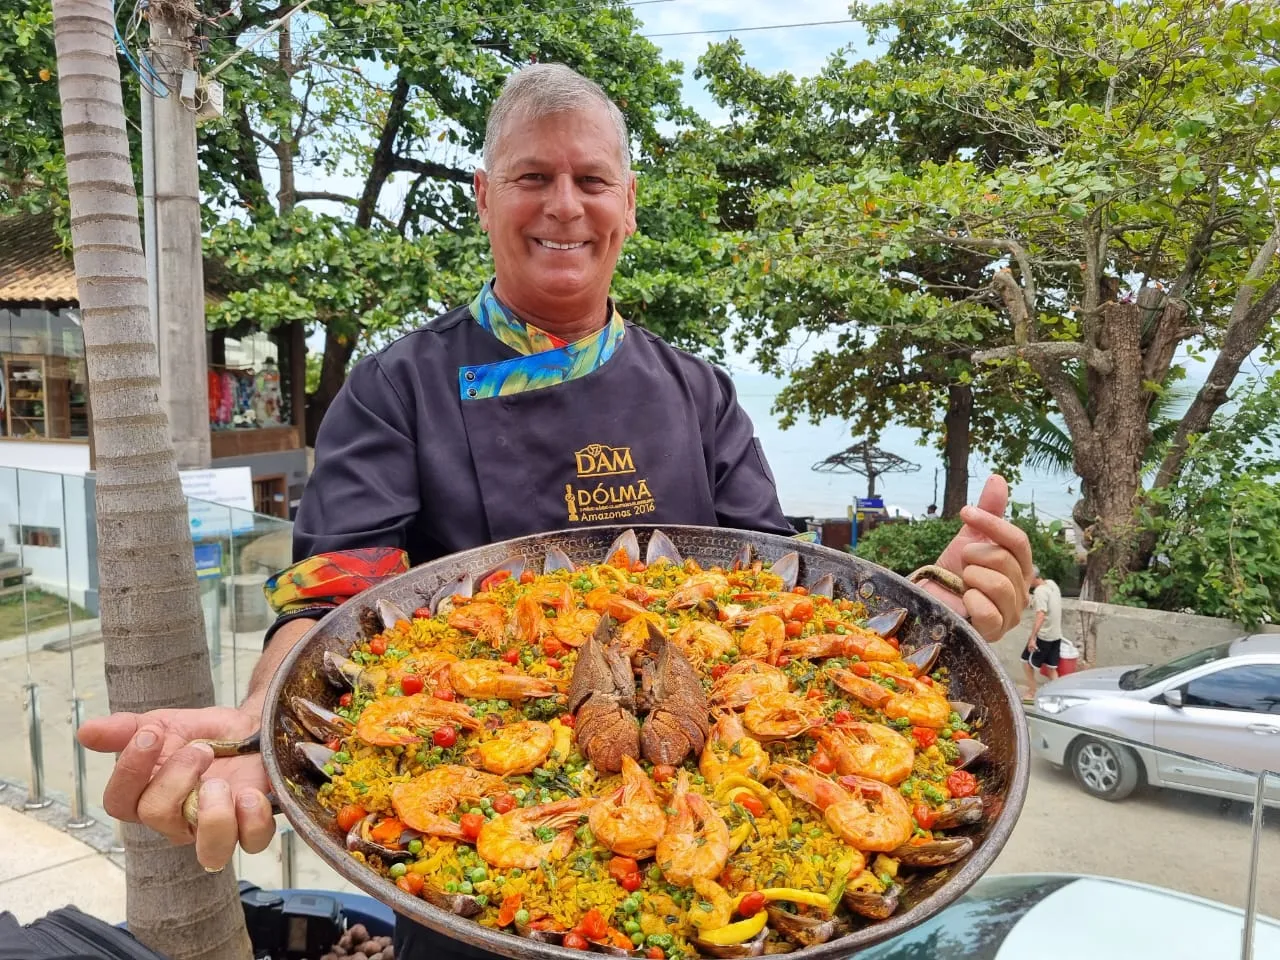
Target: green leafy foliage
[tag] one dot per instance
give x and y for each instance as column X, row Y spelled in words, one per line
column 1218, row 528
column 903, row 547
column 31, row 166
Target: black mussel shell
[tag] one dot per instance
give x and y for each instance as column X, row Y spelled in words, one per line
column 661, row 549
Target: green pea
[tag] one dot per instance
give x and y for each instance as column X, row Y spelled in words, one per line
column 451, row 887
column 329, row 769
column 516, row 873
column 630, row 905
column 522, row 917
column 637, row 938
column 631, row 926
column 397, row 871
column 503, row 705
column 519, row 793
column 342, row 757
column 655, row 873
column 465, row 887
column 415, row 847
column 663, row 940
column 483, row 899
column 946, row 733
column 478, row 875
column 795, row 828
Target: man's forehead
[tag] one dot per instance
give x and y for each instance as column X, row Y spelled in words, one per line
column 592, row 141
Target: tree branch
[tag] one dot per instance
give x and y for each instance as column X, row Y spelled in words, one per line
column 302, row 195
column 1055, row 350
column 383, row 153
column 437, row 171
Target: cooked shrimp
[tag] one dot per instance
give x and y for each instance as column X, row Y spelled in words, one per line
column 425, row 802
column 920, row 703
column 857, row 643
column 729, row 751
column 787, row 606
column 866, row 814
column 746, row 680
column 493, row 679
column 763, row 638
column 721, row 912
column 398, row 721
column 604, row 600
column 484, row 619
column 634, row 634
column 696, row 842
column 558, row 595
column 528, row 623
column 575, row 627
column 516, row 748
column 630, row 821
column 868, row 750
column 525, row 837
column 777, row 716
column 702, row 640
column 699, row 587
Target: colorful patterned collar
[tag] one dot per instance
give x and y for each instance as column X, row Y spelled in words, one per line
column 543, row 362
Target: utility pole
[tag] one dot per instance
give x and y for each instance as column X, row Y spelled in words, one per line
column 173, row 244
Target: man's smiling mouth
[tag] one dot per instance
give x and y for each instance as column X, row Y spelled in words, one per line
column 552, row 245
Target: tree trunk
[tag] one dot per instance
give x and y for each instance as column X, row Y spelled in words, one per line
column 152, row 626
column 955, row 454
column 333, row 373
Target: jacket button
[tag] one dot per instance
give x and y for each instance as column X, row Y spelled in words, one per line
column 471, row 392
column 470, row 375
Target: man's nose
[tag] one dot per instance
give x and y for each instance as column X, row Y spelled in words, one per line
column 564, row 202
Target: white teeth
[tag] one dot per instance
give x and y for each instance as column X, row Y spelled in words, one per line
column 562, row 246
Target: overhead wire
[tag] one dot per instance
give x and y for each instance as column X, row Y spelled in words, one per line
column 151, row 77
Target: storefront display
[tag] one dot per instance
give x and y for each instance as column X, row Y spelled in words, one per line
column 43, row 388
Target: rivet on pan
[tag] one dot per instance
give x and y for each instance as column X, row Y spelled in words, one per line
column 867, row 590
column 937, row 633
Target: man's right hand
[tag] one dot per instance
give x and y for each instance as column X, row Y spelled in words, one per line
column 158, row 766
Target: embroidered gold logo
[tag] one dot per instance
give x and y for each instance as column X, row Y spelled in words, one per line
column 606, row 499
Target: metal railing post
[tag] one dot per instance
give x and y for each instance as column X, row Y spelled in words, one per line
column 79, row 810
column 288, row 853
column 1255, row 850
column 35, row 787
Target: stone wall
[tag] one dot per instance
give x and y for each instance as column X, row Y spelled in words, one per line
column 1126, row 635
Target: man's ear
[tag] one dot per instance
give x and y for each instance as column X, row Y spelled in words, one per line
column 481, row 183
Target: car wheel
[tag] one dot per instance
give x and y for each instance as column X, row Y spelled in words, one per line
column 1106, row 770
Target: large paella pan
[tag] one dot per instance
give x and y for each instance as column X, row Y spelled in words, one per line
column 690, row 742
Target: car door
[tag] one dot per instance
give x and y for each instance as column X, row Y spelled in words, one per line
column 1230, row 715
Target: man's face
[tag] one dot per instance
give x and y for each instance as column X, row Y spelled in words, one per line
column 557, row 206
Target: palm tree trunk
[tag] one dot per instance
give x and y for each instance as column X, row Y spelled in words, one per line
column 152, row 625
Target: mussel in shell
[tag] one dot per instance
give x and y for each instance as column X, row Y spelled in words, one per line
column 805, row 930
column 321, row 723
column 934, row 853
column 748, row 948
column 873, row 906
column 359, row 840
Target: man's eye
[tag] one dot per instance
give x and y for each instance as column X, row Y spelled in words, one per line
column 534, row 177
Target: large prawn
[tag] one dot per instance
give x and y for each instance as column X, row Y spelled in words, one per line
column 696, row 842
column 866, row 814
column 399, row 721
column 630, row 821
column 528, row 836
column 425, row 802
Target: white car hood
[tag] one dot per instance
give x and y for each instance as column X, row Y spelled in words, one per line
column 1087, row 683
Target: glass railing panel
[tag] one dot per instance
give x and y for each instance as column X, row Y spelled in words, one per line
column 1264, row 910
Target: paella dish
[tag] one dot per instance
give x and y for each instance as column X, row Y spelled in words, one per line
column 644, row 756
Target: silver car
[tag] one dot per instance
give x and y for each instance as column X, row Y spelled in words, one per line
column 1221, row 704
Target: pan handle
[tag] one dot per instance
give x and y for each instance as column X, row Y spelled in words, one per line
column 225, row 748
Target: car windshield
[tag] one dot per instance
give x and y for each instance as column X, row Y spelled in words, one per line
column 1146, row 676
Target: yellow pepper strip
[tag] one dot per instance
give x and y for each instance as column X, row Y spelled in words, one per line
column 736, row 781
column 790, row 895
column 844, row 867
column 563, row 744
column 739, row 836
column 739, row 932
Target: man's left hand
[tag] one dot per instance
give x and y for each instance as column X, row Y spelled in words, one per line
column 993, row 557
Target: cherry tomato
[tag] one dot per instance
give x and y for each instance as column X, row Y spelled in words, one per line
column 388, row 832
column 803, row 610
column 443, row 692
column 961, row 735
column 511, row 655
column 620, row 867
column 751, row 904
column 350, row 815
column 504, row 803
column 422, row 613
column 593, row 925
column 794, row 628
column 802, row 591
column 632, row 882
column 510, row 905
column 575, row 941
column 662, row 772
column 924, row 815
column 410, row 684
column 842, row 716
column 567, row 720
column 654, row 953
column 445, row 737
column 814, row 693
column 962, row 783
column 551, row 647
column 377, row 646
column 527, row 576
column 822, row 762
column 719, row 670
column 554, row 663
column 752, row 804
column 925, row 737
column 638, row 567
column 335, row 744
column 471, row 824
column 783, row 661
column 722, row 614
column 861, row 669
column 344, row 700
column 926, row 680
column 494, row 579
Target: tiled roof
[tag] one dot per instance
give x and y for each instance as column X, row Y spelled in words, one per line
column 33, row 265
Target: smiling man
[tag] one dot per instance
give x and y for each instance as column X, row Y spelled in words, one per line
column 536, row 407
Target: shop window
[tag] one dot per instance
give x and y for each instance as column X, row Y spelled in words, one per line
column 247, row 384
column 38, row 536
column 44, row 392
